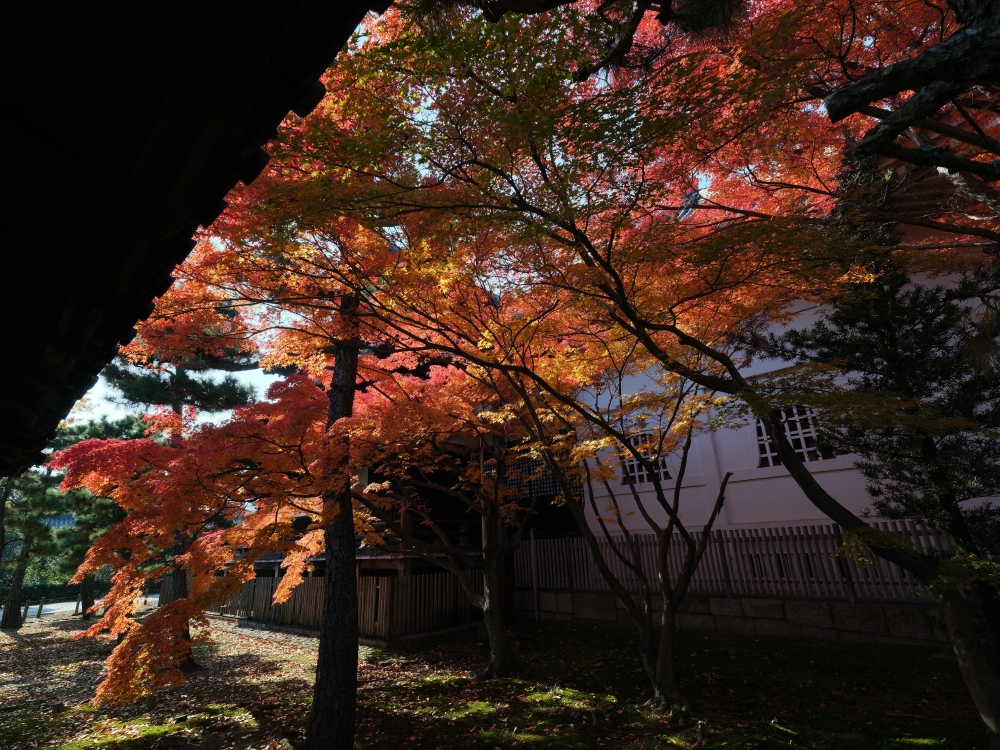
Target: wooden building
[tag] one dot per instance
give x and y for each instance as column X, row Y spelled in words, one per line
column 127, row 124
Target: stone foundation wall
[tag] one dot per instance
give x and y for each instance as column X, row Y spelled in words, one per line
column 909, row 623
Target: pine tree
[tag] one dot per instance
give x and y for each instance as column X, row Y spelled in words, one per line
column 92, row 515
column 922, row 414
column 30, row 502
column 177, row 387
column 931, row 444
column 173, row 385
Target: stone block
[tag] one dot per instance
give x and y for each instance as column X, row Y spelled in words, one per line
column 594, row 606
column 547, row 601
column 780, row 628
column 902, row 641
column 853, row 637
column 524, row 600
column 858, row 618
column 725, row 606
column 820, row 634
column 689, row 621
column 908, row 622
column 764, row 608
column 809, row 614
column 734, row 625
column 695, row 605
column 936, row 621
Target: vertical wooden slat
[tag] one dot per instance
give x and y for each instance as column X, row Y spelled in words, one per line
column 754, row 570
column 818, row 564
column 737, row 568
column 736, row 562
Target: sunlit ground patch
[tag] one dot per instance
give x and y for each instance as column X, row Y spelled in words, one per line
column 579, row 687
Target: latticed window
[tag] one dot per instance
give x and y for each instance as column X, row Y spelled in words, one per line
column 528, row 477
column 800, row 429
column 635, row 472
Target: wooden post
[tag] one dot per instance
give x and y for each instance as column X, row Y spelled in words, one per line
column 40, row 605
column 534, row 572
column 844, row 565
column 27, row 603
column 79, row 599
column 391, row 624
column 720, row 543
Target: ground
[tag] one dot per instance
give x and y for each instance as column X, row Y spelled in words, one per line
column 580, row 687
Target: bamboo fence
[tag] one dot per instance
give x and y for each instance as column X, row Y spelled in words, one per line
column 780, row 562
column 388, row 607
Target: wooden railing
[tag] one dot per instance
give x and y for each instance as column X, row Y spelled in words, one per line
column 785, row 561
column 388, row 607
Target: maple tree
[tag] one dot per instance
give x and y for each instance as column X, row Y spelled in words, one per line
column 850, row 56
column 143, row 546
column 92, row 516
column 626, row 443
column 475, row 194
column 400, row 321
column 575, row 201
column 450, row 435
column 169, row 385
column 238, row 488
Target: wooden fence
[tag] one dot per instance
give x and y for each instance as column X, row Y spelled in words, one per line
column 391, row 607
column 787, row 561
column 388, row 607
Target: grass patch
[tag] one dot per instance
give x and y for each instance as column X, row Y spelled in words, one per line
column 579, row 687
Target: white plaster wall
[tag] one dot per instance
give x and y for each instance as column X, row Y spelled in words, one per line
column 761, row 497
column 754, row 497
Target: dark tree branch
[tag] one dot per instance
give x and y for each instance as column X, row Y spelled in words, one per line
column 921, row 105
column 969, row 56
column 931, row 156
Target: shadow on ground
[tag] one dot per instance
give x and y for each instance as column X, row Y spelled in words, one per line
column 578, row 687
column 582, row 687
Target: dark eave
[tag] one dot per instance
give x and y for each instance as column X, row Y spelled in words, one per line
column 127, row 123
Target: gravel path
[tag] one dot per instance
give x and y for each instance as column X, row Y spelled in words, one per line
column 308, row 642
column 67, row 607
column 301, row 640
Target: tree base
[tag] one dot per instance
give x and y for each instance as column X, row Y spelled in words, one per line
column 189, row 665
column 492, row 670
column 661, row 704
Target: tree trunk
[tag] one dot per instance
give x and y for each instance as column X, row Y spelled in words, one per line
column 332, row 717
column 666, row 677
column 187, row 663
column 973, row 659
column 502, row 663
column 87, row 595
column 989, row 602
column 7, row 483
column 642, row 617
column 12, row 608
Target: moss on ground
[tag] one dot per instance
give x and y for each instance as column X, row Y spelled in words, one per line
column 579, row 687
